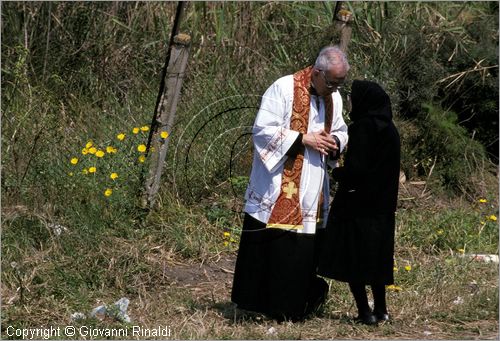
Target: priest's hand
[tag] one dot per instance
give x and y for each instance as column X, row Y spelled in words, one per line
column 320, row 141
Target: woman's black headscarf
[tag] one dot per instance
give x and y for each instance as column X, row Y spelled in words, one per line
column 370, row 100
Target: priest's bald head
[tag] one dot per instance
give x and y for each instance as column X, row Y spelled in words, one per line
column 330, row 70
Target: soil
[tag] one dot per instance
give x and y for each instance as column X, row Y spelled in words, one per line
column 212, row 272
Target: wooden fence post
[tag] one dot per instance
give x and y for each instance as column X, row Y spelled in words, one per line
column 166, row 115
column 343, row 20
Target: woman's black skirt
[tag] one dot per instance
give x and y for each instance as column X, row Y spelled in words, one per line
column 358, row 249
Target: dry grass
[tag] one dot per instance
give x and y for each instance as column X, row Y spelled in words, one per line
column 443, row 296
column 193, row 299
column 197, row 308
column 173, row 265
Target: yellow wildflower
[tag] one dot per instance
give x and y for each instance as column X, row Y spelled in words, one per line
column 92, row 169
column 70, row 173
column 461, row 250
column 89, row 144
column 113, row 176
column 408, row 267
column 85, row 171
column 85, row 151
column 92, row 150
column 110, row 150
column 440, row 231
column 108, row 192
column 135, row 130
column 144, row 128
column 142, row 158
column 226, row 243
column 492, row 217
column 141, row 148
column 482, row 222
column 232, row 240
column 227, row 234
column 395, row 269
column 120, row 136
column 99, row 153
column 74, row 161
column 482, row 200
column 394, row 287
column 164, row 134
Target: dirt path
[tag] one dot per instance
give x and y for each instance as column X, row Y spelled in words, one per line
column 202, row 278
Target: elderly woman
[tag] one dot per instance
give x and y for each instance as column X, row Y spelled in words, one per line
column 358, row 246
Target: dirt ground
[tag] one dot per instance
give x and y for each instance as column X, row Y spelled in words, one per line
column 211, row 276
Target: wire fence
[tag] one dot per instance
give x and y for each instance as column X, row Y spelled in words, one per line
column 100, row 92
column 211, row 151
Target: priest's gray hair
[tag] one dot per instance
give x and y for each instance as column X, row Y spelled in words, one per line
column 331, row 55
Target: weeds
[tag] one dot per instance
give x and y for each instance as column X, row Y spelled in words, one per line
column 456, row 230
column 76, row 93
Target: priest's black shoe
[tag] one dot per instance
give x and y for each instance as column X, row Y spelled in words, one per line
column 367, row 318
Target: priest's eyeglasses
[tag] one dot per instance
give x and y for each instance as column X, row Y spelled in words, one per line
column 330, row 84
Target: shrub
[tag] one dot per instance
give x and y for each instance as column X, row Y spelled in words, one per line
column 444, row 143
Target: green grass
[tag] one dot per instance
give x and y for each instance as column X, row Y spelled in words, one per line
column 169, row 268
column 468, row 228
column 99, row 78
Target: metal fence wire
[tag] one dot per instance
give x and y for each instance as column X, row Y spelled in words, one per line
column 210, row 152
column 210, row 147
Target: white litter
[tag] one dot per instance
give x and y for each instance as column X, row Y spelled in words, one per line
column 57, row 228
column 78, row 316
column 483, row 257
column 272, row 331
column 117, row 311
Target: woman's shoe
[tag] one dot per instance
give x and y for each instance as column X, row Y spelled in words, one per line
column 367, row 318
column 382, row 317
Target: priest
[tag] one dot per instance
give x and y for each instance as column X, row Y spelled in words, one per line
column 298, row 131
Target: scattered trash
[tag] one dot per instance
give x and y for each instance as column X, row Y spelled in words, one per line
column 458, row 300
column 57, row 228
column 100, row 310
column 78, row 316
column 272, row 331
column 483, row 257
column 117, row 311
column 122, row 305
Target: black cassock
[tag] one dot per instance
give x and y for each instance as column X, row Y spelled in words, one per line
column 358, row 245
column 275, row 272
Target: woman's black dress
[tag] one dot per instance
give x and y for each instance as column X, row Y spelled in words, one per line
column 358, row 245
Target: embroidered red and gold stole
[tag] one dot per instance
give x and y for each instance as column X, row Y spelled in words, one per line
column 287, row 212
